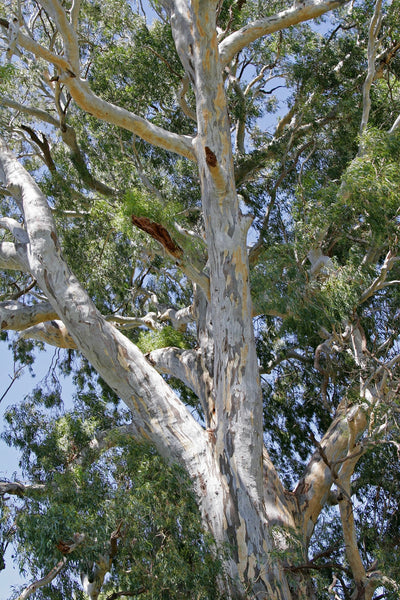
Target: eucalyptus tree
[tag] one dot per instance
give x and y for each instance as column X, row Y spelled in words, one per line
column 216, row 266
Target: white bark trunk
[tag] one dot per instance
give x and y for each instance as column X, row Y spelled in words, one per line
column 238, row 434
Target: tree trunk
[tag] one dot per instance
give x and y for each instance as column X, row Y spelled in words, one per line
column 237, row 435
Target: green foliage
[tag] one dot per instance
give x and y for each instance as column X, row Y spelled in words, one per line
column 162, row 549
column 126, row 56
column 7, row 72
column 140, row 205
column 372, row 185
column 7, row 530
column 167, row 336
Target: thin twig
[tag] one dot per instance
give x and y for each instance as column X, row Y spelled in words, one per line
column 14, row 378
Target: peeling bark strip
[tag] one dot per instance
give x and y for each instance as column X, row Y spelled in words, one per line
column 159, row 233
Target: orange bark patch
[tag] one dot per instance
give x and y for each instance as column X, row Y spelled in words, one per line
column 63, row 547
column 159, row 233
column 211, row 159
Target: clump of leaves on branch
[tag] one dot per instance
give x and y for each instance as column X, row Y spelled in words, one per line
column 200, row 207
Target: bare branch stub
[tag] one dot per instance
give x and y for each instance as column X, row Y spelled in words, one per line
column 159, row 233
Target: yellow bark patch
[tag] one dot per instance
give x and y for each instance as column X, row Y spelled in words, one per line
column 144, row 433
column 242, row 269
column 228, row 403
column 123, row 358
column 220, row 182
column 207, row 60
column 140, row 405
column 244, row 353
column 220, row 101
column 137, row 402
column 252, row 565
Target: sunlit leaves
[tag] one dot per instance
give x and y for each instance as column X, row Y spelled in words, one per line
column 167, row 336
column 372, row 185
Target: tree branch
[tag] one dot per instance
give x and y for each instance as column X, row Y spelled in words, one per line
column 313, row 489
column 93, row 583
column 69, row 138
column 189, row 112
column 52, row 332
column 15, row 228
column 40, row 51
column 15, row 488
column 182, row 364
column 13, row 257
column 338, row 451
column 373, row 31
column 106, row 111
column 78, row 539
column 298, row 13
column 159, row 233
column 74, row 13
column 18, row 316
column 39, row 113
column 349, row 535
column 159, row 415
column 71, row 47
column 179, row 318
column 379, row 282
column 92, row 104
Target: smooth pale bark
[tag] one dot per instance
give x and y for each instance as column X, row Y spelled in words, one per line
column 17, row 316
column 185, row 365
column 63, row 24
column 52, row 332
column 13, row 257
column 89, row 102
column 313, row 489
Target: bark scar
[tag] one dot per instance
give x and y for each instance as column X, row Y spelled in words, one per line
column 55, row 240
column 211, row 159
column 159, row 233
